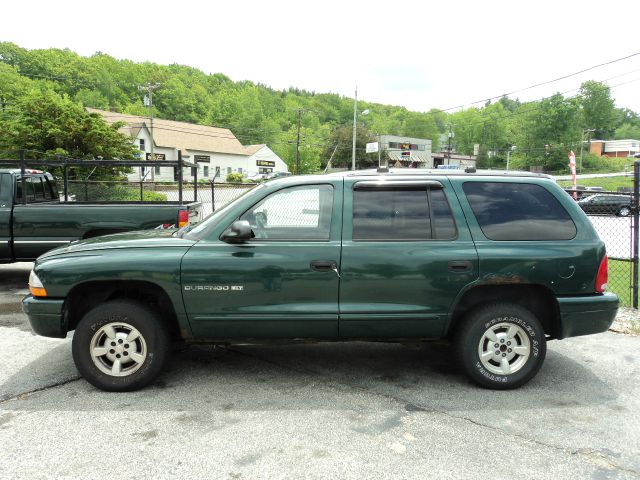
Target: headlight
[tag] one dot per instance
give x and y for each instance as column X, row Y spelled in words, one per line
column 35, row 286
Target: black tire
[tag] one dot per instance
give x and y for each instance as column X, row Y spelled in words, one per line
column 150, row 349
column 623, row 211
column 499, row 318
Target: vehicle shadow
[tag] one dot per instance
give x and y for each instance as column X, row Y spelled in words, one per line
column 327, row 376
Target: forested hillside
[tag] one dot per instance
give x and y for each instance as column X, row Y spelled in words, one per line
column 42, row 93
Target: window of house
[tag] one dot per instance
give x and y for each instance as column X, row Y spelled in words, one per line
column 206, row 170
column 228, row 170
column 142, row 144
column 518, row 211
column 401, row 214
column 157, row 170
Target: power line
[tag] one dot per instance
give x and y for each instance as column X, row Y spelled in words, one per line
column 543, row 83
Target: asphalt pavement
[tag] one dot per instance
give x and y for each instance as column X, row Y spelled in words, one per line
column 352, row 410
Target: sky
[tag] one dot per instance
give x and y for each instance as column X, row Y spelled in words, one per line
column 420, row 55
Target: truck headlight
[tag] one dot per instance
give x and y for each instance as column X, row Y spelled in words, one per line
column 35, row 286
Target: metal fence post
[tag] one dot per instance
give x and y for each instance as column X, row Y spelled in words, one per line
column 195, row 183
column 66, row 180
column 636, row 230
column 213, row 194
column 180, row 177
column 23, row 179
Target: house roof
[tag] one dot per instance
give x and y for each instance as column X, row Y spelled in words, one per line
column 179, row 135
column 251, row 149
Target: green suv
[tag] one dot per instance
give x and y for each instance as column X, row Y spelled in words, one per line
column 496, row 263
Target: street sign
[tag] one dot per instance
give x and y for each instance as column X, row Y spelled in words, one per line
column 372, row 147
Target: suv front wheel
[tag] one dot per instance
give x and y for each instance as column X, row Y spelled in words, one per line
column 501, row 345
column 120, row 346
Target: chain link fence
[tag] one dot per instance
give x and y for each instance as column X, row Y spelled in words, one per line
column 210, row 194
column 612, row 215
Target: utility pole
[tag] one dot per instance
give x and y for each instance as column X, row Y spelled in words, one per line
column 509, row 150
column 449, row 147
column 299, row 111
column 148, row 100
column 355, row 119
column 584, row 130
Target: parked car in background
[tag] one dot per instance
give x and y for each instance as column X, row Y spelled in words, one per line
column 607, row 204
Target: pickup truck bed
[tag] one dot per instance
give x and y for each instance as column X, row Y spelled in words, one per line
column 29, row 230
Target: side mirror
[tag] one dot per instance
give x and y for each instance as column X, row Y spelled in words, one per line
column 238, row 232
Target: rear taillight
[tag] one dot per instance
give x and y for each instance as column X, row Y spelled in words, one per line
column 183, row 218
column 603, row 276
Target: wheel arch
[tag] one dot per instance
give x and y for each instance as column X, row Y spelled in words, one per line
column 538, row 299
column 85, row 296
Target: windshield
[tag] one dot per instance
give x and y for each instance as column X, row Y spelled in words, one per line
column 200, row 230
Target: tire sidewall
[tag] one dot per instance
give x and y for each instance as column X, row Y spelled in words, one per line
column 139, row 317
column 490, row 316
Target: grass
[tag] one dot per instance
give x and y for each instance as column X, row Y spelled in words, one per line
column 620, row 280
column 610, row 184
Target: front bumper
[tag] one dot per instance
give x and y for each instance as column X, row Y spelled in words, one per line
column 586, row 315
column 46, row 316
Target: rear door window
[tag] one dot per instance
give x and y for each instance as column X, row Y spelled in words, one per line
column 518, row 211
column 401, row 214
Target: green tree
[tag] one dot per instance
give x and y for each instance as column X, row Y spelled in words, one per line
column 46, row 122
column 598, row 109
column 341, row 141
column 548, row 130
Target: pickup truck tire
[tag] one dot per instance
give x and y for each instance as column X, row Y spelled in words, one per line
column 120, row 346
column 500, row 345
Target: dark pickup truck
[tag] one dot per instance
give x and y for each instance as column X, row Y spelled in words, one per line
column 29, row 229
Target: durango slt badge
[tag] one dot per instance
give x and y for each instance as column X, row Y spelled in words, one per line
column 214, row 288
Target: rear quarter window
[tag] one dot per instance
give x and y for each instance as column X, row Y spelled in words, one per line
column 518, row 211
column 5, row 189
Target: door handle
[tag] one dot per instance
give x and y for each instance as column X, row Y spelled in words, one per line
column 325, row 266
column 460, row 266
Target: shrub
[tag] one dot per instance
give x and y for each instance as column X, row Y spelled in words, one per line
column 235, row 178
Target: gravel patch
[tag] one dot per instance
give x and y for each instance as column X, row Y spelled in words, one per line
column 627, row 321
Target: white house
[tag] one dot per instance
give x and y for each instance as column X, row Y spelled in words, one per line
column 211, row 148
column 263, row 160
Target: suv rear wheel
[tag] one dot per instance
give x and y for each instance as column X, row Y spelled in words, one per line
column 501, row 345
column 120, row 346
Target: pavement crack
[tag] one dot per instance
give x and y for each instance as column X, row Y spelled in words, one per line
column 23, row 395
column 595, row 457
